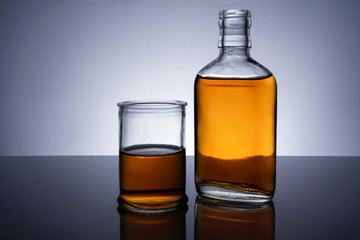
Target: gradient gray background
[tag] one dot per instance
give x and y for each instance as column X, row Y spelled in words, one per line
column 65, row 64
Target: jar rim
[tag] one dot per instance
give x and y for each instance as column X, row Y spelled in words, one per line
column 152, row 104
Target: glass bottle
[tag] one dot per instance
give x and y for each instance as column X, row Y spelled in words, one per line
column 235, row 119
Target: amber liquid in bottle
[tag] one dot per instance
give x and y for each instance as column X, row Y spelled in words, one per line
column 152, row 176
column 235, row 136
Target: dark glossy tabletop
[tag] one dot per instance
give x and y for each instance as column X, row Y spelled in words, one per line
column 75, row 197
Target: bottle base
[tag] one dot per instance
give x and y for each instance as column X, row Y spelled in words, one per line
column 232, row 195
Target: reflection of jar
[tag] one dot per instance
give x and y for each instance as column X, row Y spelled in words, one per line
column 225, row 220
column 159, row 226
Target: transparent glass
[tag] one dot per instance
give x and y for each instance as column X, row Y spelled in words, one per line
column 235, row 119
column 217, row 219
column 152, row 155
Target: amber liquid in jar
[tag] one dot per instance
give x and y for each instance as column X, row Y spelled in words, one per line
column 235, row 132
column 152, row 176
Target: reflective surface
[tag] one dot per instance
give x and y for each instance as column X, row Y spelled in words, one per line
column 217, row 219
column 75, row 197
column 160, row 226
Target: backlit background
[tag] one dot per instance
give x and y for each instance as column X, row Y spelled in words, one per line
column 64, row 64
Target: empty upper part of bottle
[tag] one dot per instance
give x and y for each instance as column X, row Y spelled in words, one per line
column 234, row 27
column 234, row 59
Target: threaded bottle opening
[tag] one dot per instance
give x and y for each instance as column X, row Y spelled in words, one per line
column 234, row 28
column 234, row 13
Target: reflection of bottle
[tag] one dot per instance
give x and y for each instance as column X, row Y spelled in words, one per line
column 235, row 119
column 159, row 226
column 224, row 220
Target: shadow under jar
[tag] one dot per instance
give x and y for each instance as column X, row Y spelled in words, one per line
column 152, row 155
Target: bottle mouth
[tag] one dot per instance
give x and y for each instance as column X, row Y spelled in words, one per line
column 234, row 28
column 229, row 13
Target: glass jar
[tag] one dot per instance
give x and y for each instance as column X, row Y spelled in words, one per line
column 152, row 160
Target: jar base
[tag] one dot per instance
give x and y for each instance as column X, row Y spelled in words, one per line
column 151, row 207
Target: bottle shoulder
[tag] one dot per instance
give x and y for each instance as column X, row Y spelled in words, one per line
column 234, row 67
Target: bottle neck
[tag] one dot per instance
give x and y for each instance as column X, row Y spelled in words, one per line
column 234, row 27
column 239, row 52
